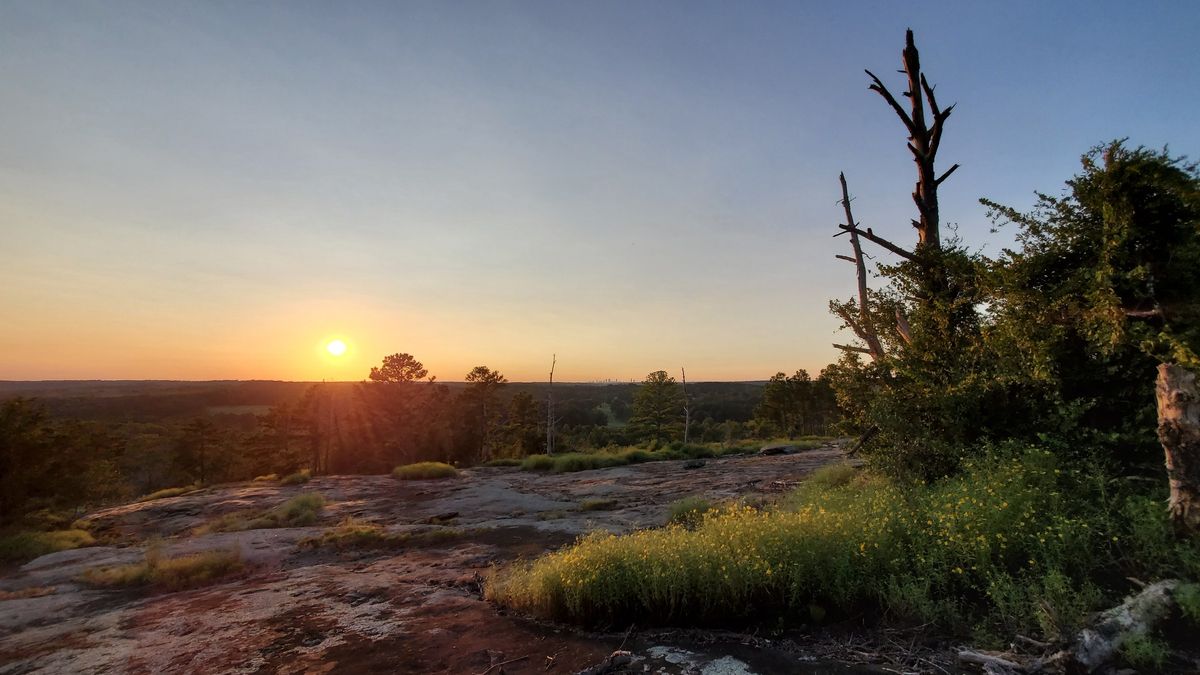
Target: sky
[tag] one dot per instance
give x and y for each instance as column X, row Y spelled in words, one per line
column 215, row 190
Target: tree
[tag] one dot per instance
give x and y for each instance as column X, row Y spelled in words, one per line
column 657, row 406
column 1104, row 289
column 523, row 428
column 399, row 368
column 485, row 385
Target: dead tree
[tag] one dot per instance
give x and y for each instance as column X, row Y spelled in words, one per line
column 550, row 408
column 924, row 139
column 1179, row 432
column 862, row 326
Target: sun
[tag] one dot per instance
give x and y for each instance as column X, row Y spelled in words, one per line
column 336, row 347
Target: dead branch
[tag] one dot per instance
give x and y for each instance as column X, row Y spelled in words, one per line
column 610, row 664
column 852, row 348
column 863, row 329
column 503, row 663
column 871, row 236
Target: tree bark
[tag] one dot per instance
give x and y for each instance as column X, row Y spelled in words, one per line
column 1179, row 432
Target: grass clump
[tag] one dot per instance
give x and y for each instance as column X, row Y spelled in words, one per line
column 425, row 471
column 537, row 463
column 688, row 512
column 998, row 549
column 169, row 492
column 299, row 478
column 187, row 571
column 597, row 504
column 266, row 478
column 301, row 510
column 24, row 546
column 355, row 534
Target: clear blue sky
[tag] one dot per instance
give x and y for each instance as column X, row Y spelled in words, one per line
column 213, row 190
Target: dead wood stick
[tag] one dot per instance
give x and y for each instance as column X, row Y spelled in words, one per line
column 503, row 663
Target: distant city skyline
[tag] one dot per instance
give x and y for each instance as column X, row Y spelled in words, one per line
column 207, row 191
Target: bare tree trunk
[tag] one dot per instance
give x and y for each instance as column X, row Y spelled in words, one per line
column 687, row 410
column 1179, row 432
column 550, row 408
column 862, row 325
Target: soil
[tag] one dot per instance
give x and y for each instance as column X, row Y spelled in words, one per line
column 408, row 610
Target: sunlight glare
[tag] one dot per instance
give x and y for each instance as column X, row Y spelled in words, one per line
column 336, row 347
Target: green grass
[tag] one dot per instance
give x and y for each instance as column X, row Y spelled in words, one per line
column 354, row 534
column 997, row 551
column 301, row 510
column 188, row 571
column 24, row 546
column 298, row 478
column 425, row 471
column 169, row 492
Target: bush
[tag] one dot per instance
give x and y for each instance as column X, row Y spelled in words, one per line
column 25, row 546
column 268, row 478
column 169, row 492
column 688, row 512
column 425, row 471
column 299, row 478
column 303, row 509
column 1006, row 547
column 1145, row 652
column 188, row 571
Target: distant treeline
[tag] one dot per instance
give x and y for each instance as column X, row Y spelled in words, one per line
column 86, row 443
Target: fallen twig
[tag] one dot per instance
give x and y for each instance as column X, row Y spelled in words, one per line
column 503, row 663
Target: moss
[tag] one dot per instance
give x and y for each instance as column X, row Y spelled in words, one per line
column 303, row 509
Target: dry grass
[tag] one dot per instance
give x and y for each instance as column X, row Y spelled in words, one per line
column 169, row 492
column 355, row 534
column 187, row 571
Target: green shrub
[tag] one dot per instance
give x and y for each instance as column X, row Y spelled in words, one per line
column 1001, row 548
column 688, row 512
column 503, row 461
column 25, row 546
column 537, row 463
column 635, row 455
column 169, row 492
column 303, row 509
column 1188, row 597
column 299, row 478
column 597, row 504
column 188, row 571
column 1145, row 652
column 583, row 462
column 425, row 471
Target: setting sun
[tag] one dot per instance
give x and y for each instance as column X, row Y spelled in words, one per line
column 336, row 347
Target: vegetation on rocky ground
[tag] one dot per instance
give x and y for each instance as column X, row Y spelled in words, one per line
column 178, row 573
column 425, row 471
column 299, row 511
column 356, row 534
column 23, row 546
